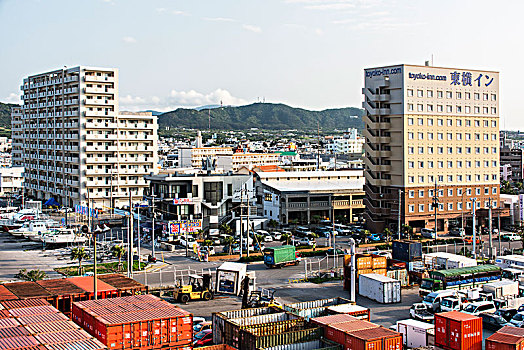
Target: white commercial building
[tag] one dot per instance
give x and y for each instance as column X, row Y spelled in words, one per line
column 11, row 180
column 74, row 143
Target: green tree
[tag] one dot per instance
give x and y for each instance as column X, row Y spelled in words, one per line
column 229, row 240
column 33, row 275
column 79, row 253
column 225, row 229
column 407, row 230
column 272, row 224
column 388, row 234
column 285, row 237
column 315, row 219
column 118, row 251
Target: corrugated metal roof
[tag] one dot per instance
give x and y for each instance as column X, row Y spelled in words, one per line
column 35, row 310
column 6, row 294
column 375, row 333
column 88, row 344
column 8, row 322
column 10, row 332
column 354, row 326
column 18, row 304
column 512, row 331
column 60, row 286
column 50, row 327
column 457, row 316
column 27, row 290
column 42, row 318
column 135, row 299
column 4, row 314
column 506, row 338
column 62, row 337
column 333, row 319
column 120, row 281
column 18, row 342
column 86, row 283
column 145, row 315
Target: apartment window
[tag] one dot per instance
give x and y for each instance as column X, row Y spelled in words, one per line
column 411, row 179
column 468, row 136
column 477, row 123
column 467, row 95
column 450, row 178
column 420, row 93
column 449, row 109
column 411, row 194
column 477, row 164
column 420, row 108
column 421, row 165
column 421, row 150
column 486, row 164
column 486, row 150
column 485, row 110
column 421, row 179
column 410, row 135
column 430, row 136
column 449, row 122
column 485, row 97
column 459, row 164
column 458, row 136
column 493, row 110
column 411, row 165
column 486, row 137
column 459, row 122
column 430, row 150
column 421, row 136
column 450, row 136
column 450, row 206
column 440, row 136
column 410, row 121
column 468, row 122
column 493, row 123
column 468, row 205
column 430, row 121
column 468, row 192
column 477, row 150
column 440, row 94
column 449, row 94
column 441, row 206
column 477, row 191
column 459, row 205
column 459, row 150
column 494, row 177
column 477, row 137
column 486, row 177
column 421, row 208
column 440, row 164
column 450, row 150
column 476, row 96
column 420, row 121
column 411, row 208
column 459, row 109
column 450, row 164
column 467, row 109
column 213, row 192
column 410, row 92
column 468, row 178
column 494, row 150
column 410, row 107
column 468, row 163
column 410, row 150
column 494, row 190
column 494, row 137
column 459, row 191
column 430, row 193
column 440, row 122
column 420, row 193
column 459, row 95
column 430, row 108
column 486, row 123
column 477, row 110
column 440, row 108
column 429, row 93
column 430, row 164
column 494, row 163
column 440, row 150
column 494, row 204
column 468, row 150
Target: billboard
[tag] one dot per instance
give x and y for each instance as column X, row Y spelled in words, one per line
column 184, row 226
column 180, row 201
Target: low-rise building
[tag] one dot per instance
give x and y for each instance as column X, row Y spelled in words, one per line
column 11, row 180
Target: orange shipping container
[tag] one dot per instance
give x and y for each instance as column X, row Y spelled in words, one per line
column 364, row 262
column 363, row 272
column 379, row 262
column 347, row 260
column 458, row 331
column 501, row 341
column 338, row 332
column 378, row 338
column 382, row 272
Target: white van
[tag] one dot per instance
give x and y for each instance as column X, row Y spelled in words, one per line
column 480, row 307
column 434, row 299
column 452, row 304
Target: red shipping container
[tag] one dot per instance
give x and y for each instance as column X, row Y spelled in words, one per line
column 18, row 342
column 32, row 311
column 62, row 337
column 89, row 344
column 8, row 322
column 18, row 304
column 103, row 290
column 501, row 341
column 338, row 332
column 13, row 332
column 24, row 320
column 51, row 327
column 378, row 338
column 332, row 319
column 519, row 332
column 458, row 331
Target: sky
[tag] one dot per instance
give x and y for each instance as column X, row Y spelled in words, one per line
column 304, row 53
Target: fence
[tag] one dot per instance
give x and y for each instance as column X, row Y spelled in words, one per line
column 323, row 267
column 167, row 277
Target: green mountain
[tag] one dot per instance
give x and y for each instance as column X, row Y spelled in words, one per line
column 5, row 114
column 263, row 116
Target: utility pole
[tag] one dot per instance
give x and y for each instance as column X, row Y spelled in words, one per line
column 399, row 211
column 138, row 228
column 248, row 209
column 241, row 221
column 435, row 208
column 500, row 232
column 474, row 200
column 153, row 224
column 490, row 249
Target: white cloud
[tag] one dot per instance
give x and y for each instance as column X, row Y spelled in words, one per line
column 179, row 13
column 129, row 40
column 176, row 99
column 160, row 10
column 332, row 6
column 252, row 28
column 319, row 31
column 219, row 19
column 12, row 98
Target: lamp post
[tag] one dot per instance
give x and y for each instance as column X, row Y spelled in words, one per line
column 474, row 200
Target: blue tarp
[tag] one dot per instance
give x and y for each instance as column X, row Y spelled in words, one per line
column 51, row 202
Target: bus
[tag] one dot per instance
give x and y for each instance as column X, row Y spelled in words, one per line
column 461, row 278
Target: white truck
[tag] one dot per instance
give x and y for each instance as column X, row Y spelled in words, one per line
column 504, row 289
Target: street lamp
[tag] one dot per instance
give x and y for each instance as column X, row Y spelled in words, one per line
column 474, row 200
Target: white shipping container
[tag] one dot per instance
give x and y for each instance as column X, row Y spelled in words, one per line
column 380, row 288
column 414, row 333
column 502, row 289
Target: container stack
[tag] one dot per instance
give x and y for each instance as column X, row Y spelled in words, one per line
column 379, row 288
column 507, row 338
column 322, row 307
column 365, row 264
column 37, row 325
column 135, row 322
column 456, row 330
column 407, row 260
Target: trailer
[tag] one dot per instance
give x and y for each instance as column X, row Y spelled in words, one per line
column 281, row 256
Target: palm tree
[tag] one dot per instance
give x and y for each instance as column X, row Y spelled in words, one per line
column 33, row 275
column 119, row 252
column 272, row 224
column 200, row 234
column 226, row 229
column 79, row 253
column 229, row 240
column 285, row 237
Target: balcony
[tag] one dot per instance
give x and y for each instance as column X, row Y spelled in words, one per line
column 100, row 137
column 375, row 139
column 375, row 210
column 376, row 154
column 376, row 167
column 92, row 90
column 98, row 183
column 376, row 182
column 89, row 113
column 94, row 160
column 108, row 125
column 101, row 148
column 98, row 102
column 376, row 126
column 376, row 97
column 95, row 78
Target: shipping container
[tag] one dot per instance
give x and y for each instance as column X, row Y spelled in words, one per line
column 25, row 320
column 361, row 272
column 321, row 344
column 315, row 308
column 217, row 347
column 332, row 319
column 414, row 333
column 382, row 272
column 501, row 341
column 407, row 250
column 519, row 332
column 33, row 311
column 277, row 327
column 380, row 288
column 62, row 337
column 18, row 342
column 357, row 311
column 219, row 319
column 50, row 327
column 6, row 294
column 126, row 286
column 379, row 338
column 378, row 262
column 27, row 290
column 250, row 341
column 8, row 322
column 16, row 331
column 338, row 332
column 64, row 293
column 364, row 262
column 399, row 275
column 457, row 331
column 87, row 344
column 18, row 304
column 103, row 290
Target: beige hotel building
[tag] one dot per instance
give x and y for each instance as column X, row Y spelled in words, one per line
column 427, row 125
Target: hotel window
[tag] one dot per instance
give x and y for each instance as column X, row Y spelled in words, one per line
column 429, row 93
column 421, row 165
column 459, row 164
column 468, row 178
column 486, row 164
column 459, row 122
column 459, row 150
column 430, row 150
column 421, row 208
column 477, row 191
column 430, row 164
column 494, row 177
column 468, row 164
column 477, row 110
column 430, row 122
column 430, row 136
column 440, row 164
column 468, row 122
column 450, row 164
column 477, row 177
column 467, row 95
column 485, row 97
column 494, row 204
column 430, row 108
column 468, row 150
column 494, row 190
column 476, row 96
column 493, row 97
column 421, row 136
column 440, row 150
column 449, row 122
column 477, row 123
column 467, row 109
column 440, row 108
column 459, row 95
column 486, row 137
column 486, row 150
column 411, row 194
column 431, row 178
column 485, row 110
column 449, row 94
column 477, row 164
column 477, row 137
column 450, row 136
column 420, row 193
column 410, row 121
column 410, row 135
column 410, row 92
column 459, row 109
column 468, row 192
column 459, row 205
column 420, row 121
column 459, row 191
column 450, row 150
column 411, row 208
column 493, row 110
column 430, row 193
column 411, row 179
column 494, row 163
column 450, row 178
column 494, row 150
column 421, row 150
column 411, row 165
column 441, row 206
column 486, row 123
column 421, row 179
column 468, row 136
column 420, row 108
column 458, row 136
column 494, row 137
column 440, row 94
column 441, row 179
column 486, row 177
column 420, row 93
column 450, row 206
column 410, row 107
column 477, row 150
column 450, row 192
column 440, row 136
column 493, row 123
column 449, row 109
column 468, row 205
column 440, row 122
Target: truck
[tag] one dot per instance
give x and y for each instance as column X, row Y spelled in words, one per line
column 461, row 278
column 281, row 256
column 504, row 289
column 421, row 312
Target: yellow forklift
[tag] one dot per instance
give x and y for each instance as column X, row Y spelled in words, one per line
column 198, row 288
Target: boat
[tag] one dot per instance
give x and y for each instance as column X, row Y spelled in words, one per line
column 63, row 236
column 36, row 236
column 9, row 224
column 28, row 228
column 26, row 215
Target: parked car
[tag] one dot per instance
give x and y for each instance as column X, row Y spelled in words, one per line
column 202, row 326
column 198, row 319
column 235, row 249
column 421, row 312
column 203, row 338
column 331, row 252
column 469, row 239
column 210, row 250
column 276, row 235
column 457, row 232
column 190, row 242
column 517, row 320
column 510, row 237
column 479, row 307
column 428, row 233
column 493, row 322
column 268, row 238
column 305, row 241
column 507, row 314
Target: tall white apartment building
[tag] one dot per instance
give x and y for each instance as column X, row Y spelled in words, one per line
column 75, row 145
